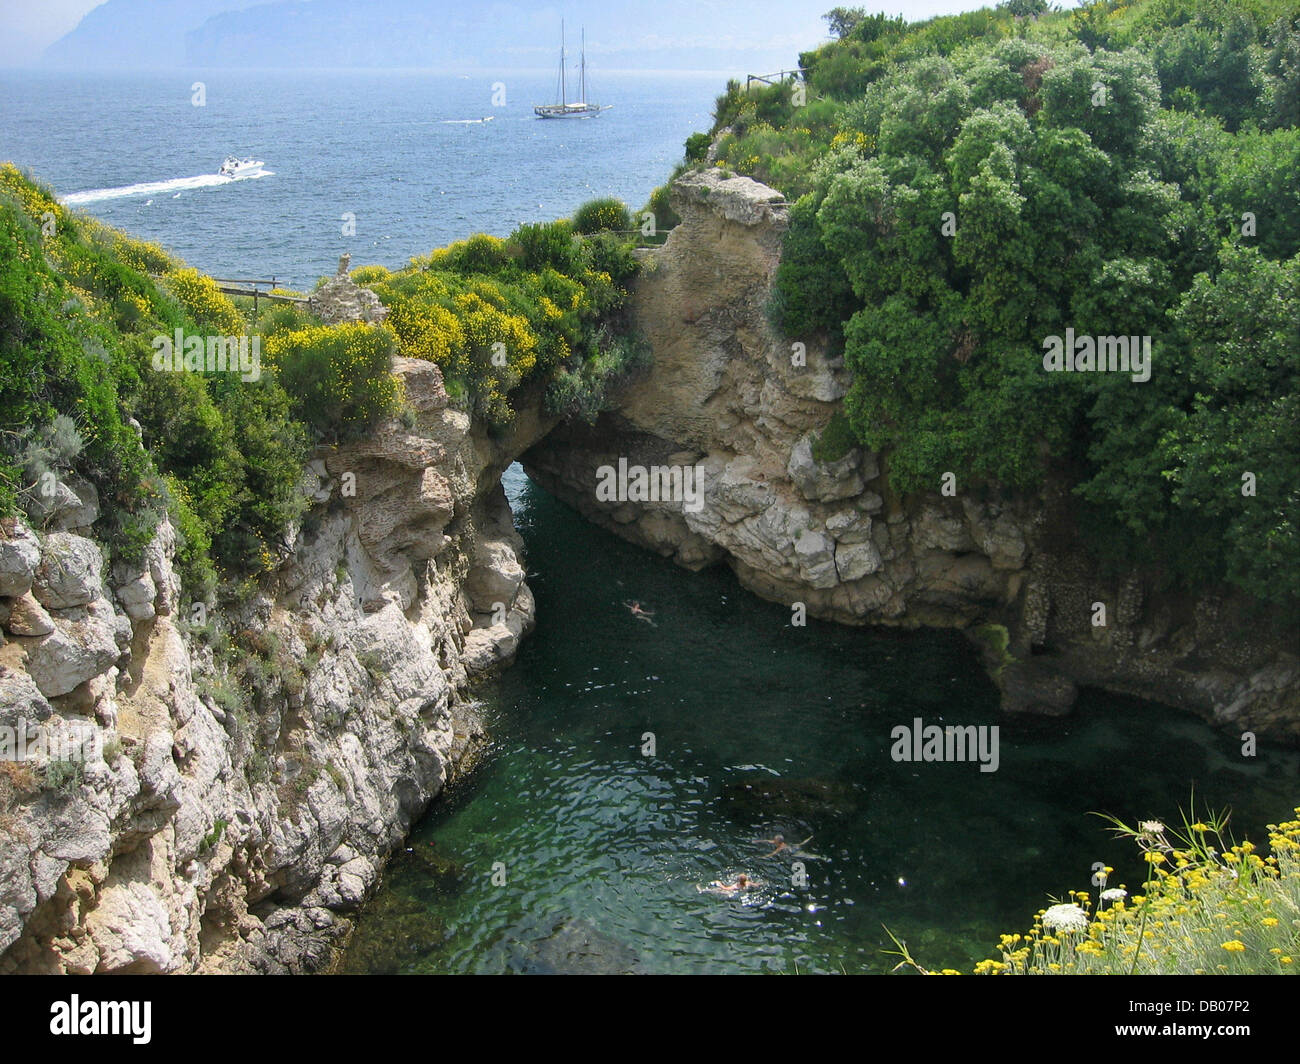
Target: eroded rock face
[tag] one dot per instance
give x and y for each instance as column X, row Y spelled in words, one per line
column 69, row 573
column 726, row 395
column 82, row 645
column 202, row 832
column 340, row 299
column 20, row 554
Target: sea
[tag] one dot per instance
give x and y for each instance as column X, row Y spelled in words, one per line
column 383, row 165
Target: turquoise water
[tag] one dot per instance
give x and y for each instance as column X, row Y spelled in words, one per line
column 603, row 849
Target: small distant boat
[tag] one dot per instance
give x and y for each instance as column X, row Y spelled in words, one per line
column 233, row 167
column 564, row 107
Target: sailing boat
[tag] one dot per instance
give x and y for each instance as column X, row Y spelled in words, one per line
column 565, row 108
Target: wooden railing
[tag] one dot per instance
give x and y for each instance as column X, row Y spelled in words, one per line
column 253, row 288
column 773, row 79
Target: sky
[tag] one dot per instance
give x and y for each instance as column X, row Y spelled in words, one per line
column 28, row 26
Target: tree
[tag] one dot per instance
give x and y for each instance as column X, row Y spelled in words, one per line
column 1284, row 67
column 1024, row 8
column 843, row 20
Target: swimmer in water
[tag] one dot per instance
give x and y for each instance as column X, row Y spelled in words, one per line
column 779, row 842
column 741, row 883
column 641, row 614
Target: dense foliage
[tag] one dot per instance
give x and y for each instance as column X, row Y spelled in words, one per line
column 602, row 214
column 89, row 318
column 967, row 187
column 544, row 304
column 79, row 313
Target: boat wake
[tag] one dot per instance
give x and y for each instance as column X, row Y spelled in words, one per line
column 466, row 121
column 153, row 188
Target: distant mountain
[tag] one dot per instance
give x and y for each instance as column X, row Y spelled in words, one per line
column 497, row 34
column 134, row 33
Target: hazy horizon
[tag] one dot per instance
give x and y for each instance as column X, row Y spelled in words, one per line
column 146, row 35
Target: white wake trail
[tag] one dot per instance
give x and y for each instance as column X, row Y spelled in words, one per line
column 150, row 188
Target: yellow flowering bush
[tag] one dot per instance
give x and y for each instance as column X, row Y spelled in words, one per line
column 1207, row 906
column 140, row 255
column 35, row 200
column 223, row 457
column 208, row 306
column 427, row 331
column 853, row 138
column 367, row 275
column 478, row 254
column 338, row 377
column 494, row 313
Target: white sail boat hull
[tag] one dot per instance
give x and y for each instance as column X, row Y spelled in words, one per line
column 573, row 110
column 564, row 108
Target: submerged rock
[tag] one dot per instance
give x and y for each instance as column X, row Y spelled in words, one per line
column 1033, row 687
column 574, row 947
column 804, row 801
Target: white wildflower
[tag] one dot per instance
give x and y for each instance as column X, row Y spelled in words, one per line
column 1067, row 917
column 1114, row 894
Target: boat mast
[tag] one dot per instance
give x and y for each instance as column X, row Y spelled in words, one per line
column 583, row 97
column 564, row 83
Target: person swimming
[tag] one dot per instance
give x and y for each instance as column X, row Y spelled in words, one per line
column 738, row 885
column 778, row 841
column 641, row 614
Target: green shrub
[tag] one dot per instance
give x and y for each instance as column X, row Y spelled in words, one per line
column 112, row 749
column 611, row 254
column 548, row 245
column 974, row 199
column 583, row 389
column 78, row 317
column 64, row 775
column 836, row 439
column 660, row 205
column 810, row 293
column 697, row 147
column 602, row 214
column 339, row 378
column 213, row 837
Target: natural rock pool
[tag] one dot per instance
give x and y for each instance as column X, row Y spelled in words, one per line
column 762, row 728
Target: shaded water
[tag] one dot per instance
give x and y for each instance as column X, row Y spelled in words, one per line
column 603, row 848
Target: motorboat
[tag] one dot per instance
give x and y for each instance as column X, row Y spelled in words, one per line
column 234, row 167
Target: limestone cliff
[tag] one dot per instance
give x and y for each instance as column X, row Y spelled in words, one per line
column 202, row 832
column 728, row 393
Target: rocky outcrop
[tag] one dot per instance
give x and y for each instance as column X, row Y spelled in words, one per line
column 226, row 808
column 748, row 408
column 340, row 299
